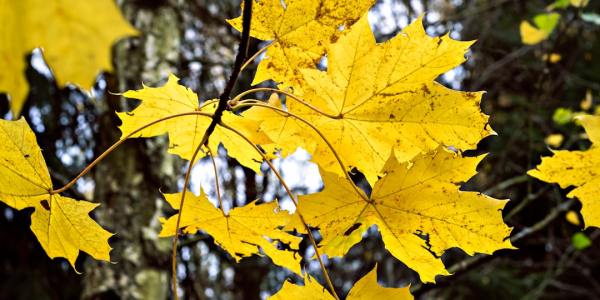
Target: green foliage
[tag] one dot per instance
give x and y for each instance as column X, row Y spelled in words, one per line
column 581, row 241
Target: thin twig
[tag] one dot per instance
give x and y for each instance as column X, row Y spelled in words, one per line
column 506, row 184
column 524, row 203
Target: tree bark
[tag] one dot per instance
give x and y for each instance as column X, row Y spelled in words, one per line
column 127, row 182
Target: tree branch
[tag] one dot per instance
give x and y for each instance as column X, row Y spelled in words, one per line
column 216, row 119
column 240, row 58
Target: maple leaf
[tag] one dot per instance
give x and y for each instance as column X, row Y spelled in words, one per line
column 379, row 96
column 579, row 169
column 75, row 36
column 25, row 177
column 417, row 207
column 62, row 225
column 299, row 30
column 366, row 288
column 288, row 132
column 186, row 132
column 241, row 232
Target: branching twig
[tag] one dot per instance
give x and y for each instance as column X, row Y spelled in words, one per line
column 506, row 184
column 291, row 195
column 216, row 119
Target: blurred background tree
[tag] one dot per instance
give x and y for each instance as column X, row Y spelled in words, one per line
column 532, row 95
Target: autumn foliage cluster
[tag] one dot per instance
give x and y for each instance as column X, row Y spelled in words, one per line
column 373, row 108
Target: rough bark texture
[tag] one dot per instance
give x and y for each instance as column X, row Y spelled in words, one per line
column 128, row 181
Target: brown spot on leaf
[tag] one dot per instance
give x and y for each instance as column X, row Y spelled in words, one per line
column 45, row 204
column 352, row 228
column 425, row 89
column 471, row 95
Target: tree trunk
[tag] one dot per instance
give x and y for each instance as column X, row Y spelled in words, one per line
column 127, row 182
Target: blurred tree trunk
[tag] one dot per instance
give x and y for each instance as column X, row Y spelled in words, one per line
column 127, row 182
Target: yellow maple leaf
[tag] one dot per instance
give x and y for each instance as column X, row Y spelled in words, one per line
column 24, row 174
column 579, row 169
column 379, row 96
column 366, row 288
column 75, row 36
column 310, row 290
column 417, row 207
column 288, row 132
column 241, row 232
column 62, row 225
column 185, row 133
column 299, row 30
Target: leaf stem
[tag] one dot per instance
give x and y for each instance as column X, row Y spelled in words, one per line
column 188, row 172
column 207, row 103
column 118, row 143
column 255, row 56
column 337, row 156
column 300, row 100
column 218, row 189
column 291, row 195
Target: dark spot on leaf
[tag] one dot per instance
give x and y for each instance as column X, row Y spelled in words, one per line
column 45, row 204
column 352, row 228
column 471, row 95
column 425, row 89
column 26, row 155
